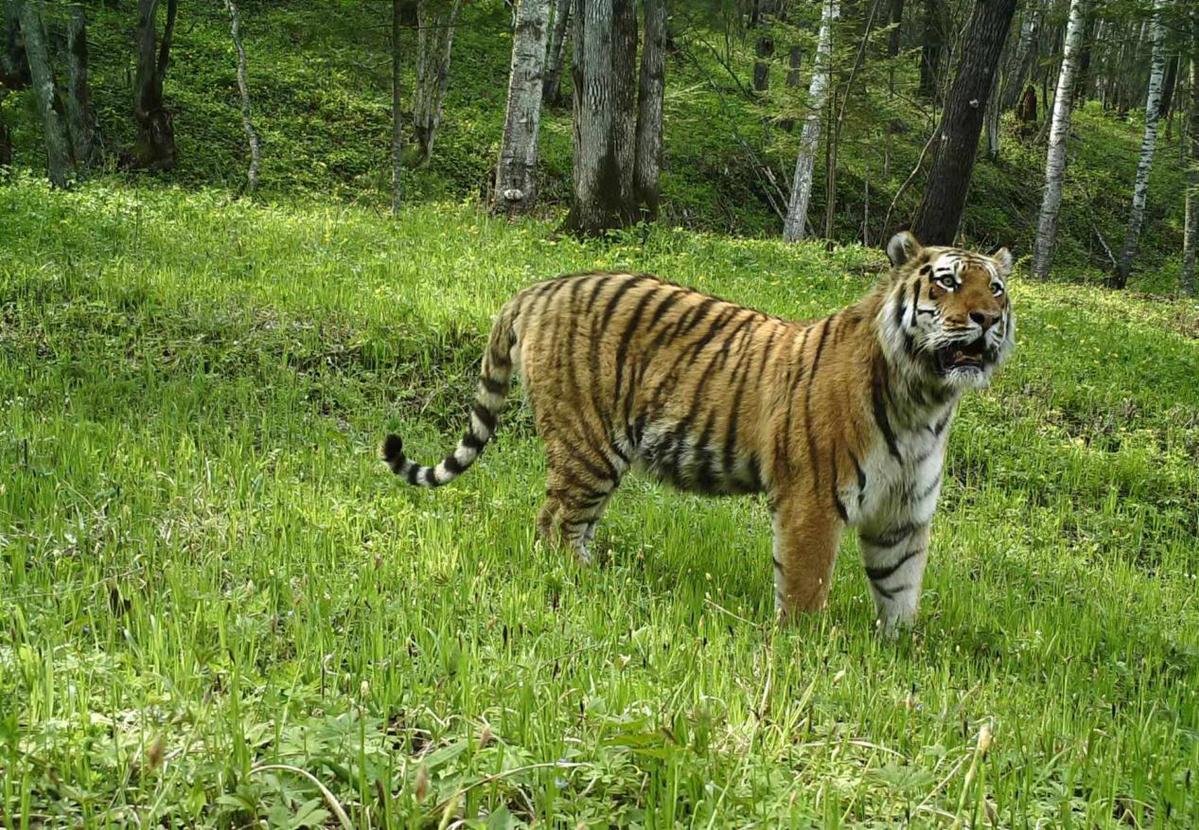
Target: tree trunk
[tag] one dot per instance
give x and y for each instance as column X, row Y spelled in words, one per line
column 763, row 52
column 1059, row 134
column 81, row 118
column 896, row 19
column 795, row 223
column 1140, row 189
column 243, row 89
column 551, row 90
column 624, row 100
column 940, row 209
column 650, row 93
column 1190, row 242
column 991, row 119
column 435, row 38
column 1091, row 32
column 14, row 67
column 603, row 191
column 516, row 173
column 1168, row 84
column 398, row 10
column 155, row 146
column 60, row 164
column 932, row 48
column 1022, row 60
column 794, row 79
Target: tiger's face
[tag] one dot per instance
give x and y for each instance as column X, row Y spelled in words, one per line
column 947, row 311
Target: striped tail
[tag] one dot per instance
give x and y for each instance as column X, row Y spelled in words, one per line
column 494, row 381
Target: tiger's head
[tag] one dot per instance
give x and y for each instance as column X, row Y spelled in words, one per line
column 946, row 316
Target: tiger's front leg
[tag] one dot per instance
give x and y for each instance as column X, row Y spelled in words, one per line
column 806, row 535
column 895, row 558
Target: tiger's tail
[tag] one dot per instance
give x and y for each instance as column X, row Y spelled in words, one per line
column 494, row 382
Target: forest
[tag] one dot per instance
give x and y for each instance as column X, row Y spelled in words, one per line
column 241, row 240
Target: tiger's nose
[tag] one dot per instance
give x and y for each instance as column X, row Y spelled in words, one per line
column 985, row 319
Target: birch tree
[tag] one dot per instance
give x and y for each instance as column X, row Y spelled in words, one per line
column 795, row 223
column 1190, row 242
column 944, row 198
column 435, row 39
column 1059, row 133
column 60, row 164
column 243, row 89
column 516, row 173
column 1140, row 188
column 650, row 93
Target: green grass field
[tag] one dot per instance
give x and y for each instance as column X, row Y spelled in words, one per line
column 206, row 573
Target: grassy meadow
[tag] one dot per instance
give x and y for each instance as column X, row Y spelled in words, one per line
column 213, row 596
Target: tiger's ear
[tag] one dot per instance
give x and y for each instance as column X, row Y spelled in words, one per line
column 902, row 247
column 1003, row 259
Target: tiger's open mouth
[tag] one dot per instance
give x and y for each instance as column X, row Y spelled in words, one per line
column 973, row 355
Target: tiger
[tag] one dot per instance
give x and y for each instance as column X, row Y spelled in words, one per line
column 842, row 422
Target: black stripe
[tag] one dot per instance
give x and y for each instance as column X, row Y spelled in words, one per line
column 661, row 310
column 493, row 386
column 890, row 538
column 877, row 574
column 939, row 427
column 777, row 563
column 877, row 395
column 783, row 441
column 473, row 442
column 600, row 281
column 915, row 300
column 861, row 474
column 889, row 594
column 500, row 359
column 431, row 477
column 413, row 473
column 485, row 415
column 755, row 473
column 626, row 336
column 840, row 505
column 730, row 436
column 614, row 300
column 927, row 491
column 452, row 465
column 900, row 306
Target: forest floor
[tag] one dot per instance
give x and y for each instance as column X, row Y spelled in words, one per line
column 205, row 571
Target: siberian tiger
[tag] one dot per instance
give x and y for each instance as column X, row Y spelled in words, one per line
column 841, row 421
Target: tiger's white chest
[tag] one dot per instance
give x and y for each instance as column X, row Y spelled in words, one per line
column 899, row 491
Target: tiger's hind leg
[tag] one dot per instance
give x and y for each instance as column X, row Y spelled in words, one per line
column 576, row 495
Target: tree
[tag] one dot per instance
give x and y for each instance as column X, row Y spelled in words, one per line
column 81, row 118
column 1190, row 243
column 795, row 223
column 1059, row 133
column 155, row 146
column 60, row 163
column 601, row 70
column 551, row 89
column 435, row 37
column 931, row 49
column 516, row 173
column 650, row 92
column 940, row 209
column 1140, row 188
column 398, row 11
column 244, row 90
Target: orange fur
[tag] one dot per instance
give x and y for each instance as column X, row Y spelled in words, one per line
column 834, row 419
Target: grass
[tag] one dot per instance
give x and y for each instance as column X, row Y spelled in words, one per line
column 205, row 571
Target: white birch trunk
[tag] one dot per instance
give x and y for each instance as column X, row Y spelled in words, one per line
column 243, row 89
column 1059, row 134
column 795, row 224
column 1140, row 188
column 516, row 173
column 435, row 38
